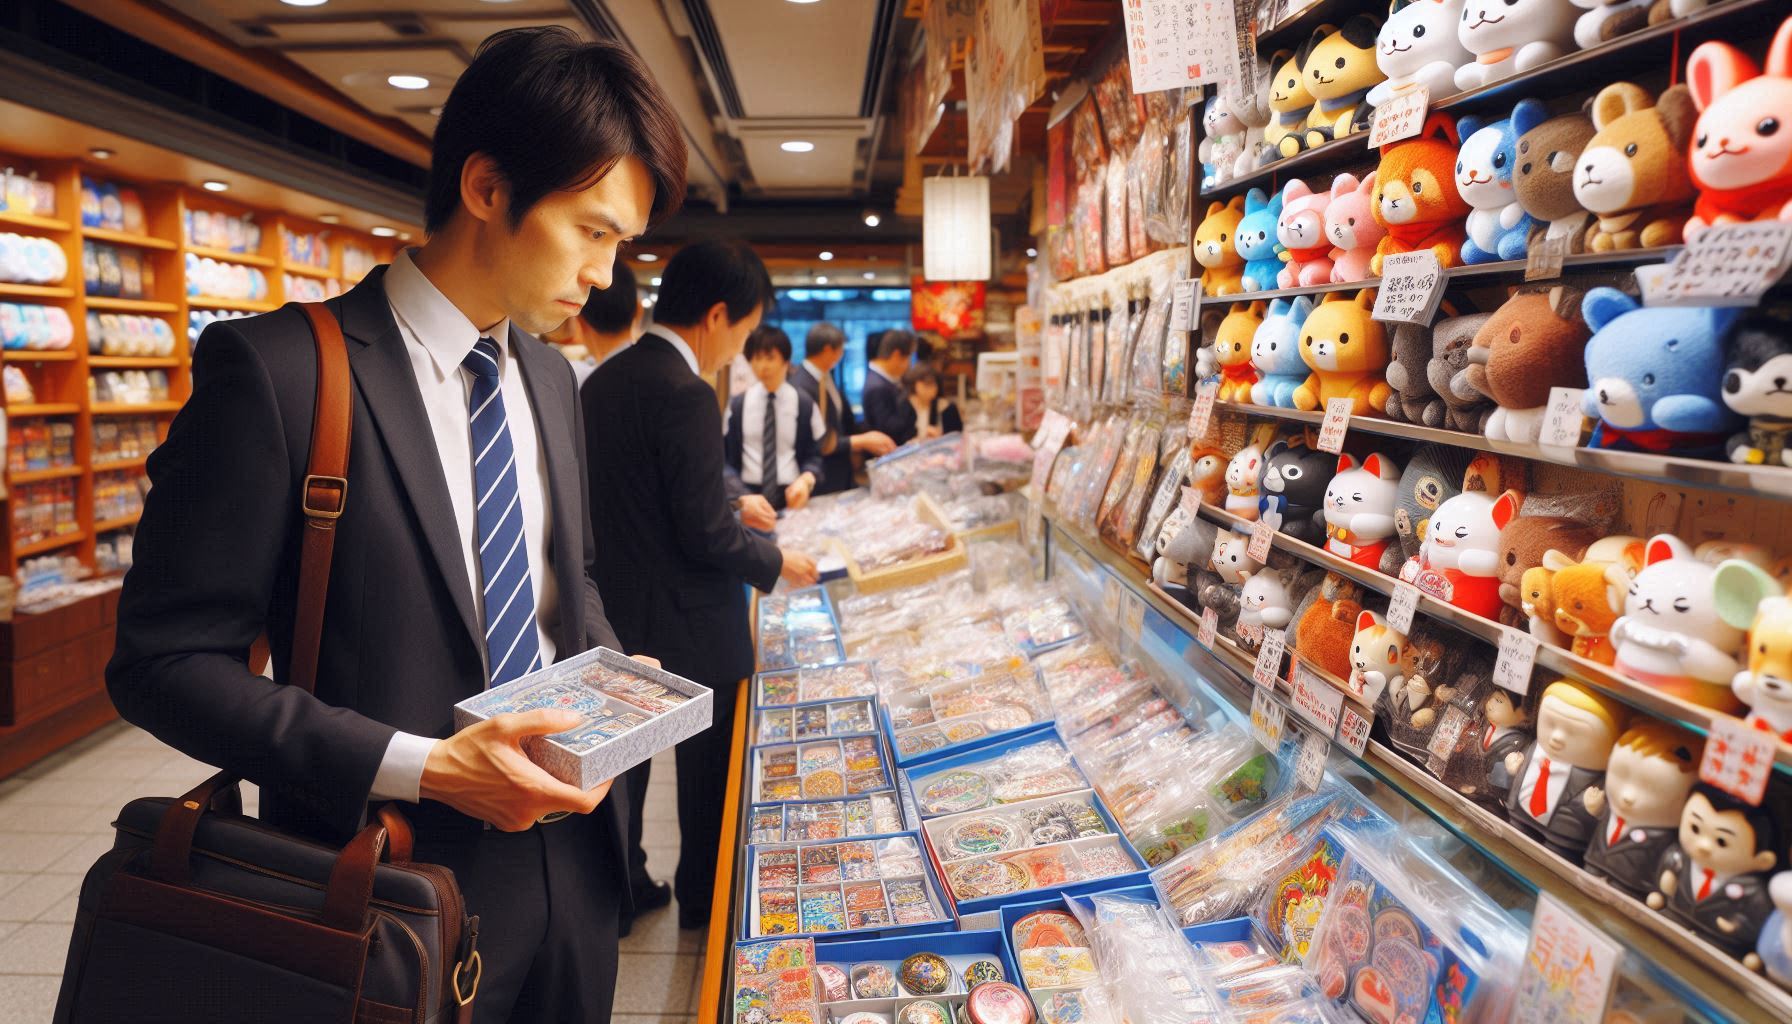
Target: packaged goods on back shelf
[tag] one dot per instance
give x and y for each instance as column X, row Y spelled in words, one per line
column 222, row 279
column 199, row 319
column 18, row 387
column 30, row 326
column 119, row 494
column 109, row 206
column 129, row 387
column 127, row 334
column 306, row 248
column 43, row 510
column 357, row 261
column 208, row 230
column 117, row 438
column 25, row 193
column 38, row 443
column 118, row 272
column 953, row 466
column 113, row 552
column 310, row 289
column 26, row 259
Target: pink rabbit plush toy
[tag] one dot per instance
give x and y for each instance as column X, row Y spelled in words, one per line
column 1301, row 230
column 1351, row 227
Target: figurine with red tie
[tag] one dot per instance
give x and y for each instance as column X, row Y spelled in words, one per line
column 1556, row 792
column 1507, row 731
column 1652, row 770
column 1714, row 880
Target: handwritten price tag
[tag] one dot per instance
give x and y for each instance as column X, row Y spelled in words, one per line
column 1353, row 730
column 1201, row 415
column 1412, row 284
column 1402, row 606
column 1568, row 970
column 1309, row 767
column 1263, row 538
column 1268, row 720
column 1132, row 614
column 1738, row 760
column 1336, row 422
column 1210, row 626
column 1269, row 658
column 1562, row 422
column 1185, row 302
column 1727, row 265
column 1518, row 653
column 1399, row 118
column 1316, row 700
column 1543, row 261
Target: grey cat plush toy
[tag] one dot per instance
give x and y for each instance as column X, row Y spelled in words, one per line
column 1447, row 372
column 1758, row 384
column 1414, row 399
column 1433, row 474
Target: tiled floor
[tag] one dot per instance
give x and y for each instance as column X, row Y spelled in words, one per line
column 55, row 820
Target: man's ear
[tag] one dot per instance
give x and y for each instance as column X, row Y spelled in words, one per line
column 717, row 317
column 483, row 190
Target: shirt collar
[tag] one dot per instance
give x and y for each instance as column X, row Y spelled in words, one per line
column 670, row 337
column 874, row 368
column 435, row 322
column 815, row 371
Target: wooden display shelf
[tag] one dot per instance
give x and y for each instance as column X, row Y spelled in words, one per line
column 26, row 355
column 120, row 465
column 122, row 522
column 15, row 219
column 127, row 238
column 32, row 476
column 306, row 270
column 43, row 409
column 239, row 305
column 134, row 408
column 20, row 552
column 35, row 291
column 132, row 362
column 248, row 259
column 121, row 305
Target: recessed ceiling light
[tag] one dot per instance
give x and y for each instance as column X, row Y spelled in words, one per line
column 329, row 218
column 870, row 275
column 215, row 186
column 804, row 1
column 873, row 220
column 382, row 231
column 1032, row 252
column 826, row 255
column 796, row 146
column 646, row 257
column 656, row 282
column 412, row 82
column 304, row 3
column 101, row 153
column 823, row 279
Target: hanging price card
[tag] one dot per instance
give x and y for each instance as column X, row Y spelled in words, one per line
column 1518, row 652
column 1353, row 730
column 1411, row 286
column 1263, row 537
column 1337, row 421
column 1201, row 415
column 1563, row 422
column 1316, row 700
column 1132, row 614
column 1402, row 606
column 1726, row 265
column 1268, row 719
column 1568, row 969
column 1399, row 118
column 1185, row 303
column 1309, row 767
column 1269, row 658
column 1738, row 760
column 1210, row 625
column 1544, row 258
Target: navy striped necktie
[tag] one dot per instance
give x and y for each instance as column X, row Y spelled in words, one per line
column 513, row 648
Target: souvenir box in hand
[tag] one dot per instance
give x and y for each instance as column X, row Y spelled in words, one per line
column 631, row 712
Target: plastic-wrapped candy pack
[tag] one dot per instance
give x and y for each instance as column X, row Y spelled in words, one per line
column 1144, row 960
column 775, row 981
column 904, row 470
column 1122, row 525
column 1045, row 622
column 1175, row 344
column 1025, row 773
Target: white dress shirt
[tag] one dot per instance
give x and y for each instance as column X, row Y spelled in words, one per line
column 437, row 337
column 752, row 438
column 670, row 337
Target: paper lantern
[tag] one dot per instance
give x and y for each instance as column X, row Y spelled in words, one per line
column 955, row 242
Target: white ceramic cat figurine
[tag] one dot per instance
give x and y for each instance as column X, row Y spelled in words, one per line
column 1359, row 508
column 1231, row 558
column 1671, row 636
column 1241, row 481
column 1265, row 602
column 1375, row 654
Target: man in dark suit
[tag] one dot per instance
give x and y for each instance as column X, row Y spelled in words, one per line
column 772, row 443
column 675, row 555
column 886, row 409
column 419, row 615
column 822, row 351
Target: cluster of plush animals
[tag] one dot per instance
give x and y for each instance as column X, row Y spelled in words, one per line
column 1627, row 169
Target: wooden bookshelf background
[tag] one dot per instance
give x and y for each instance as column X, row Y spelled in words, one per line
column 61, row 378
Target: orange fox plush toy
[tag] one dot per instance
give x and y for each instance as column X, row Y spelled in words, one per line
column 1416, row 197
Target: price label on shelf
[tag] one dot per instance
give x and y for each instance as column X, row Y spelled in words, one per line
column 1263, row 537
column 1738, row 760
column 1269, row 658
column 1268, row 719
column 1316, row 700
column 1353, row 730
column 1185, row 304
column 1544, row 259
column 1336, row 422
column 1132, row 614
column 1110, row 597
column 1309, row 767
column 1210, row 626
column 1563, row 422
column 1200, row 416
column 1412, row 284
column 1568, row 970
column 1518, row 653
column 1399, row 118
column 1401, row 607
column 1726, row 265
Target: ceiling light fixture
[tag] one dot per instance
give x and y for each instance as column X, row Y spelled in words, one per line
column 1032, row 252
column 215, row 186
column 304, row 3
column 656, row 282
column 382, row 231
column 870, row 275
column 411, row 82
column 329, row 218
column 101, row 153
column 646, row 257
column 872, row 220
column 796, row 146
column 826, row 256
column 823, row 279
column 805, row 1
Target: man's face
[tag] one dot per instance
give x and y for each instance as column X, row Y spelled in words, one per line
column 566, row 245
column 770, row 368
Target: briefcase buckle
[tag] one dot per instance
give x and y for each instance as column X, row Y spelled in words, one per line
column 332, row 490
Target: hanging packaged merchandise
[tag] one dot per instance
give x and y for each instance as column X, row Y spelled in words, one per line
column 1115, row 231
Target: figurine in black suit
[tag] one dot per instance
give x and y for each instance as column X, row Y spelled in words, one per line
column 1652, row 770
column 1714, row 880
column 1506, row 732
column 1556, row 792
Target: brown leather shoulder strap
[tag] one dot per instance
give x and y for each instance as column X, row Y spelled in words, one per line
column 325, row 492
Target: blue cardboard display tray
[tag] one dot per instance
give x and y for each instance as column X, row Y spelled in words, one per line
column 768, row 900
column 908, row 776
column 836, row 716
column 824, row 781
column 806, row 684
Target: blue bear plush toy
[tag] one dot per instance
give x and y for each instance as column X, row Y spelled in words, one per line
column 1257, row 243
column 1655, row 376
column 1275, row 352
column 1497, row 224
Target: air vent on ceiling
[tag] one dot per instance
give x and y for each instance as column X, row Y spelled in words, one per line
column 882, row 32
column 709, row 41
column 407, row 26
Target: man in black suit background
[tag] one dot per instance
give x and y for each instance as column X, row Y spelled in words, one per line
column 675, row 555
column 886, row 408
column 823, row 349
column 771, row 445
column 549, row 153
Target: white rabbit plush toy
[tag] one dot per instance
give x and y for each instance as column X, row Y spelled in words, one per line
column 1671, row 635
column 1510, row 36
column 1418, row 45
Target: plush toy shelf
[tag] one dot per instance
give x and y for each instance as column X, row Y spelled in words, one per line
column 1471, row 274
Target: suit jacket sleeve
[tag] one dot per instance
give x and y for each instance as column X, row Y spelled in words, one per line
column 951, row 422
column 808, row 444
column 598, row 632
column 732, row 440
column 690, row 463
column 881, row 412
column 218, row 528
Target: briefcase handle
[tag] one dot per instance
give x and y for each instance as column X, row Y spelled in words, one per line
column 351, row 877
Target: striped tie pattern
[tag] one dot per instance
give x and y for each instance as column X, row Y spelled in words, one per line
column 513, row 648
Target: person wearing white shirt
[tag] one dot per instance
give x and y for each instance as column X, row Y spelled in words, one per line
column 778, row 458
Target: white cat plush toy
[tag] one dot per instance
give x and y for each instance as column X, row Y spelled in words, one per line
column 1231, row 558
column 1359, row 509
column 1375, row 654
column 1671, row 636
column 1264, row 604
column 1459, row 561
column 1510, row 36
column 1241, row 481
column 1418, row 46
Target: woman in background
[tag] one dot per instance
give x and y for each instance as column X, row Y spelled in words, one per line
column 933, row 415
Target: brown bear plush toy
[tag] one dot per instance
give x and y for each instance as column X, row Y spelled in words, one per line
column 1632, row 176
column 1534, row 342
column 1548, row 152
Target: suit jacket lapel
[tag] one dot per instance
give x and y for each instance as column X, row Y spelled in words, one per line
column 554, row 419
column 388, row 387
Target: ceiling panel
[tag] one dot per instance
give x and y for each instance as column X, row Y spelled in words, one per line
column 796, row 59
column 360, row 74
column 832, row 163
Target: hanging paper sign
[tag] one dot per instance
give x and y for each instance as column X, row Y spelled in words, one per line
column 1268, row 719
column 1402, row 606
column 1210, row 626
column 1412, row 285
column 1738, row 760
column 1263, row 538
column 1726, row 265
column 1309, row 767
column 1544, row 258
column 1201, row 415
column 1569, row 968
column 1563, row 423
column 1269, row 658
column 1185, row 299
column 1336, row 422
column 1316, row 700
column 1518, row 653
column 1353, row 730
column 1399, row 118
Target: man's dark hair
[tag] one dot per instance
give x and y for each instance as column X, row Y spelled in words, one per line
column 612, row 310
column 918, row 373
column 766, row 338
column 895, row 341
column 823, row 337
column 555, row 113
column 704, row 273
